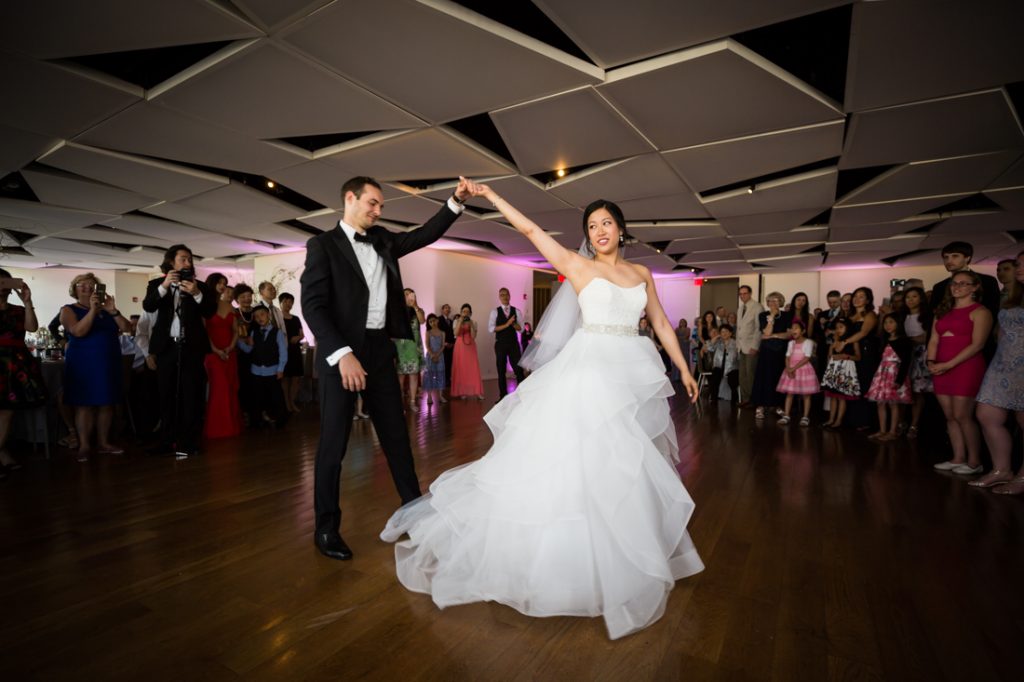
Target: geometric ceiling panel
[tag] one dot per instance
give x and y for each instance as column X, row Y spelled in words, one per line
column 184, row 138
column 657, row 264
column 521, row 191
column 932, row 49
column 893, row 245
column 505, row 238
column 985, row 243
column 636, row 178
column 1013, row 177
column 806, row 237
column 316, row 180
column 889, row 211
column 322, row 220
column 496, row 66
column 841, row 233
column 116, row 236
column 942, row 176
column 937, row 129
column 565, row 131
column 699, row 244
column 167, row 230
column 671, row 231
column 759, row 252
column 411, row 209
column 107, row 26
column 716, row 164
column 673, row 207
column 238, row 202
column 222, row 246
column 18, row 148
column 804, row 190
column 709, row 256
column 48, row 218
column 973, row 225
column 272, row 13
column 567, row 223
column 274, row 233
column 1010, row 199
column 63, row 189
column 267, row 92
column 56, row 101
column 679, row 100
column 653, row 27
column 429, row 153
column 769, row 222
column 157, row 179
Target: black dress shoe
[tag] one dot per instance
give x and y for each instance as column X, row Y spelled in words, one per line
column 332, row 546
column 160, row 449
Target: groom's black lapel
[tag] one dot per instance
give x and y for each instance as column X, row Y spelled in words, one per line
column 345, row 246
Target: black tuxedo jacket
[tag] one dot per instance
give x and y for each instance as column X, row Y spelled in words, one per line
column 335, row 295
column 193, row 317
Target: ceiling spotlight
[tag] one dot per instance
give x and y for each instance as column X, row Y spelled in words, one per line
column 750, row 190
column 560, row 172
column 270, row 184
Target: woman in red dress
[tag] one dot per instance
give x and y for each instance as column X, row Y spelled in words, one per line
column 223, row 412
column 466, row 380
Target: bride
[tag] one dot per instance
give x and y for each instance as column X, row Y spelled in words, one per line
column 577, row 509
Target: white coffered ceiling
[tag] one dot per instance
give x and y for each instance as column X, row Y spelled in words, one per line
column 736, row 136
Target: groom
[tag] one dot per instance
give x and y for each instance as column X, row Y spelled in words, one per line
column 352, row 300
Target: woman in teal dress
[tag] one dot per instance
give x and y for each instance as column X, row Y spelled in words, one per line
column 410, row 352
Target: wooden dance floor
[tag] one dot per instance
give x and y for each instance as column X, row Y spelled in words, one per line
column 827, row 558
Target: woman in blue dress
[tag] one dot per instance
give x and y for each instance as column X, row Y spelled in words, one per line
column 92, row 363
column 433, row 376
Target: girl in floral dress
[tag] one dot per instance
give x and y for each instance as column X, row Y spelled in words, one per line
column 840, row 380
column 890, row 386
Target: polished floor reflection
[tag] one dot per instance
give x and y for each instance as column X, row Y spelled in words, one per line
column 828, row 557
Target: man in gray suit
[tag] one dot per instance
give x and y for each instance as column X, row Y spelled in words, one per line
column 748, row 339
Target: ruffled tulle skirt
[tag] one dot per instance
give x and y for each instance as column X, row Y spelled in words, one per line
column 576, row 510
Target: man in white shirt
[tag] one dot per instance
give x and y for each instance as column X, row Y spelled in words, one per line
column 748, row 340
column 268, row 292
column 504, row 323
column 353, row 301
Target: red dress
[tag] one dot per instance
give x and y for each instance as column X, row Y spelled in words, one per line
column 954, row 330
column 223, row 413
column 466, row 365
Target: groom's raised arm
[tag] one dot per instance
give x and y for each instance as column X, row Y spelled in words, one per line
column 316, row 296
column 433, row 229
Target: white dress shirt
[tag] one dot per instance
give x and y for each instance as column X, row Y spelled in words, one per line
column 276, row 314
column 175, row 319
column 492, row 322
column 375, row 274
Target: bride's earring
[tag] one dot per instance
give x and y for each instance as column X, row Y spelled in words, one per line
column 622, row 240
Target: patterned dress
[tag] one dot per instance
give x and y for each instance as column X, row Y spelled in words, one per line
column 840, row 380
column 21, row 377
column 805, row 380
column 433, row 377
column 1003, row 385
column 885, row 387
column 410, row 351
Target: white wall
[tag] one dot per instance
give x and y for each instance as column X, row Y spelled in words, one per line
column 680, row 298
column 437, row 277
column 50, row 289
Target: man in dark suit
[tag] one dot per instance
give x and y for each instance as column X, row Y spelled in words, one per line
column 444, row 323
column 504, row 323
column 179, row 343
column 353, row 301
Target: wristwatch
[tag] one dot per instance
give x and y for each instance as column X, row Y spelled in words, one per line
column 457, row 200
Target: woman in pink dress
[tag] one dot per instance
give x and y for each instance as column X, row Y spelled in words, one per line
column 466, row 380
column 961, row 328
column 223, row 412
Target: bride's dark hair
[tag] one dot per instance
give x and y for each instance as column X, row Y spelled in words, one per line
column 611, row 208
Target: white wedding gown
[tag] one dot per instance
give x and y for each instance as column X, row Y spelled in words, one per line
column 577, row 509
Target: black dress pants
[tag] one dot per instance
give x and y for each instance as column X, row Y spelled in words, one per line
column 505, row 354
column 181, row 377
column 382, row 400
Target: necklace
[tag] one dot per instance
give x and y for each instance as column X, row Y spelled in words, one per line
column 245, row 319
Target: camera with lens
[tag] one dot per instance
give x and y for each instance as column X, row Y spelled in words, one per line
column 187, row 275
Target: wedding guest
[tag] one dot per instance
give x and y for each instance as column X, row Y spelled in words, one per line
column 917, row 325
column 21, row 376
column 92, row 363
column 466, row 379
column 504, row 323
column 433, row 375
column 644, row 329
column 268, row 295
column 444, row 322
column 721, row 316
column 846, row 305
column 864, row 332
column 724, row 364
column 748, row 341
column 798, row 377
column 243, row 298
column 1005, row 274
column 223, row 412
column 771, row 355
column 799, row 309
column 683, row 337
column 962, row 327
column 695, row 343
column 708, row 332
column 294, row 369
column 890, row 387
column 956, row 257
column 410, row 352
column 840, row 380
column 1002, row 390
column 526, row 336
column 268, row 351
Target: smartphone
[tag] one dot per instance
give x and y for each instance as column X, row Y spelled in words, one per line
column 11, row 283
column 101, row 291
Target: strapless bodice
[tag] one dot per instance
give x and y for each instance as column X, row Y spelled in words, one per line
column 604, row 304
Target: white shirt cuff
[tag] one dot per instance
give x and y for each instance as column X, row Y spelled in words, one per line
column 198, row 296
column 455, row 207
column 163, row 290
column 334, row 358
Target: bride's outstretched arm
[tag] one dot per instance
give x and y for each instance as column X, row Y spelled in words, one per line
column 667, row 334
column 562, row 259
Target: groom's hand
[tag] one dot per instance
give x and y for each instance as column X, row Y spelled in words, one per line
column 353, row 376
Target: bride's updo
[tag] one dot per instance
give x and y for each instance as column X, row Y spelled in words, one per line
column 613, row 209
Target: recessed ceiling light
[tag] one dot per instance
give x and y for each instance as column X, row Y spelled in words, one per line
column 560, row 172
column 270, row 184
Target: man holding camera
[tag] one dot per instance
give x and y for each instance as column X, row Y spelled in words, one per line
column 179, row 343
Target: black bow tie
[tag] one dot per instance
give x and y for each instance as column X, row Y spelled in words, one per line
column 363, row 239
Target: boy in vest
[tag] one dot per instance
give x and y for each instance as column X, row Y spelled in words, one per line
column 268, row 352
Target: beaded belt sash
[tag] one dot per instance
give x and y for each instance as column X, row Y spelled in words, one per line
column 612, row 329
